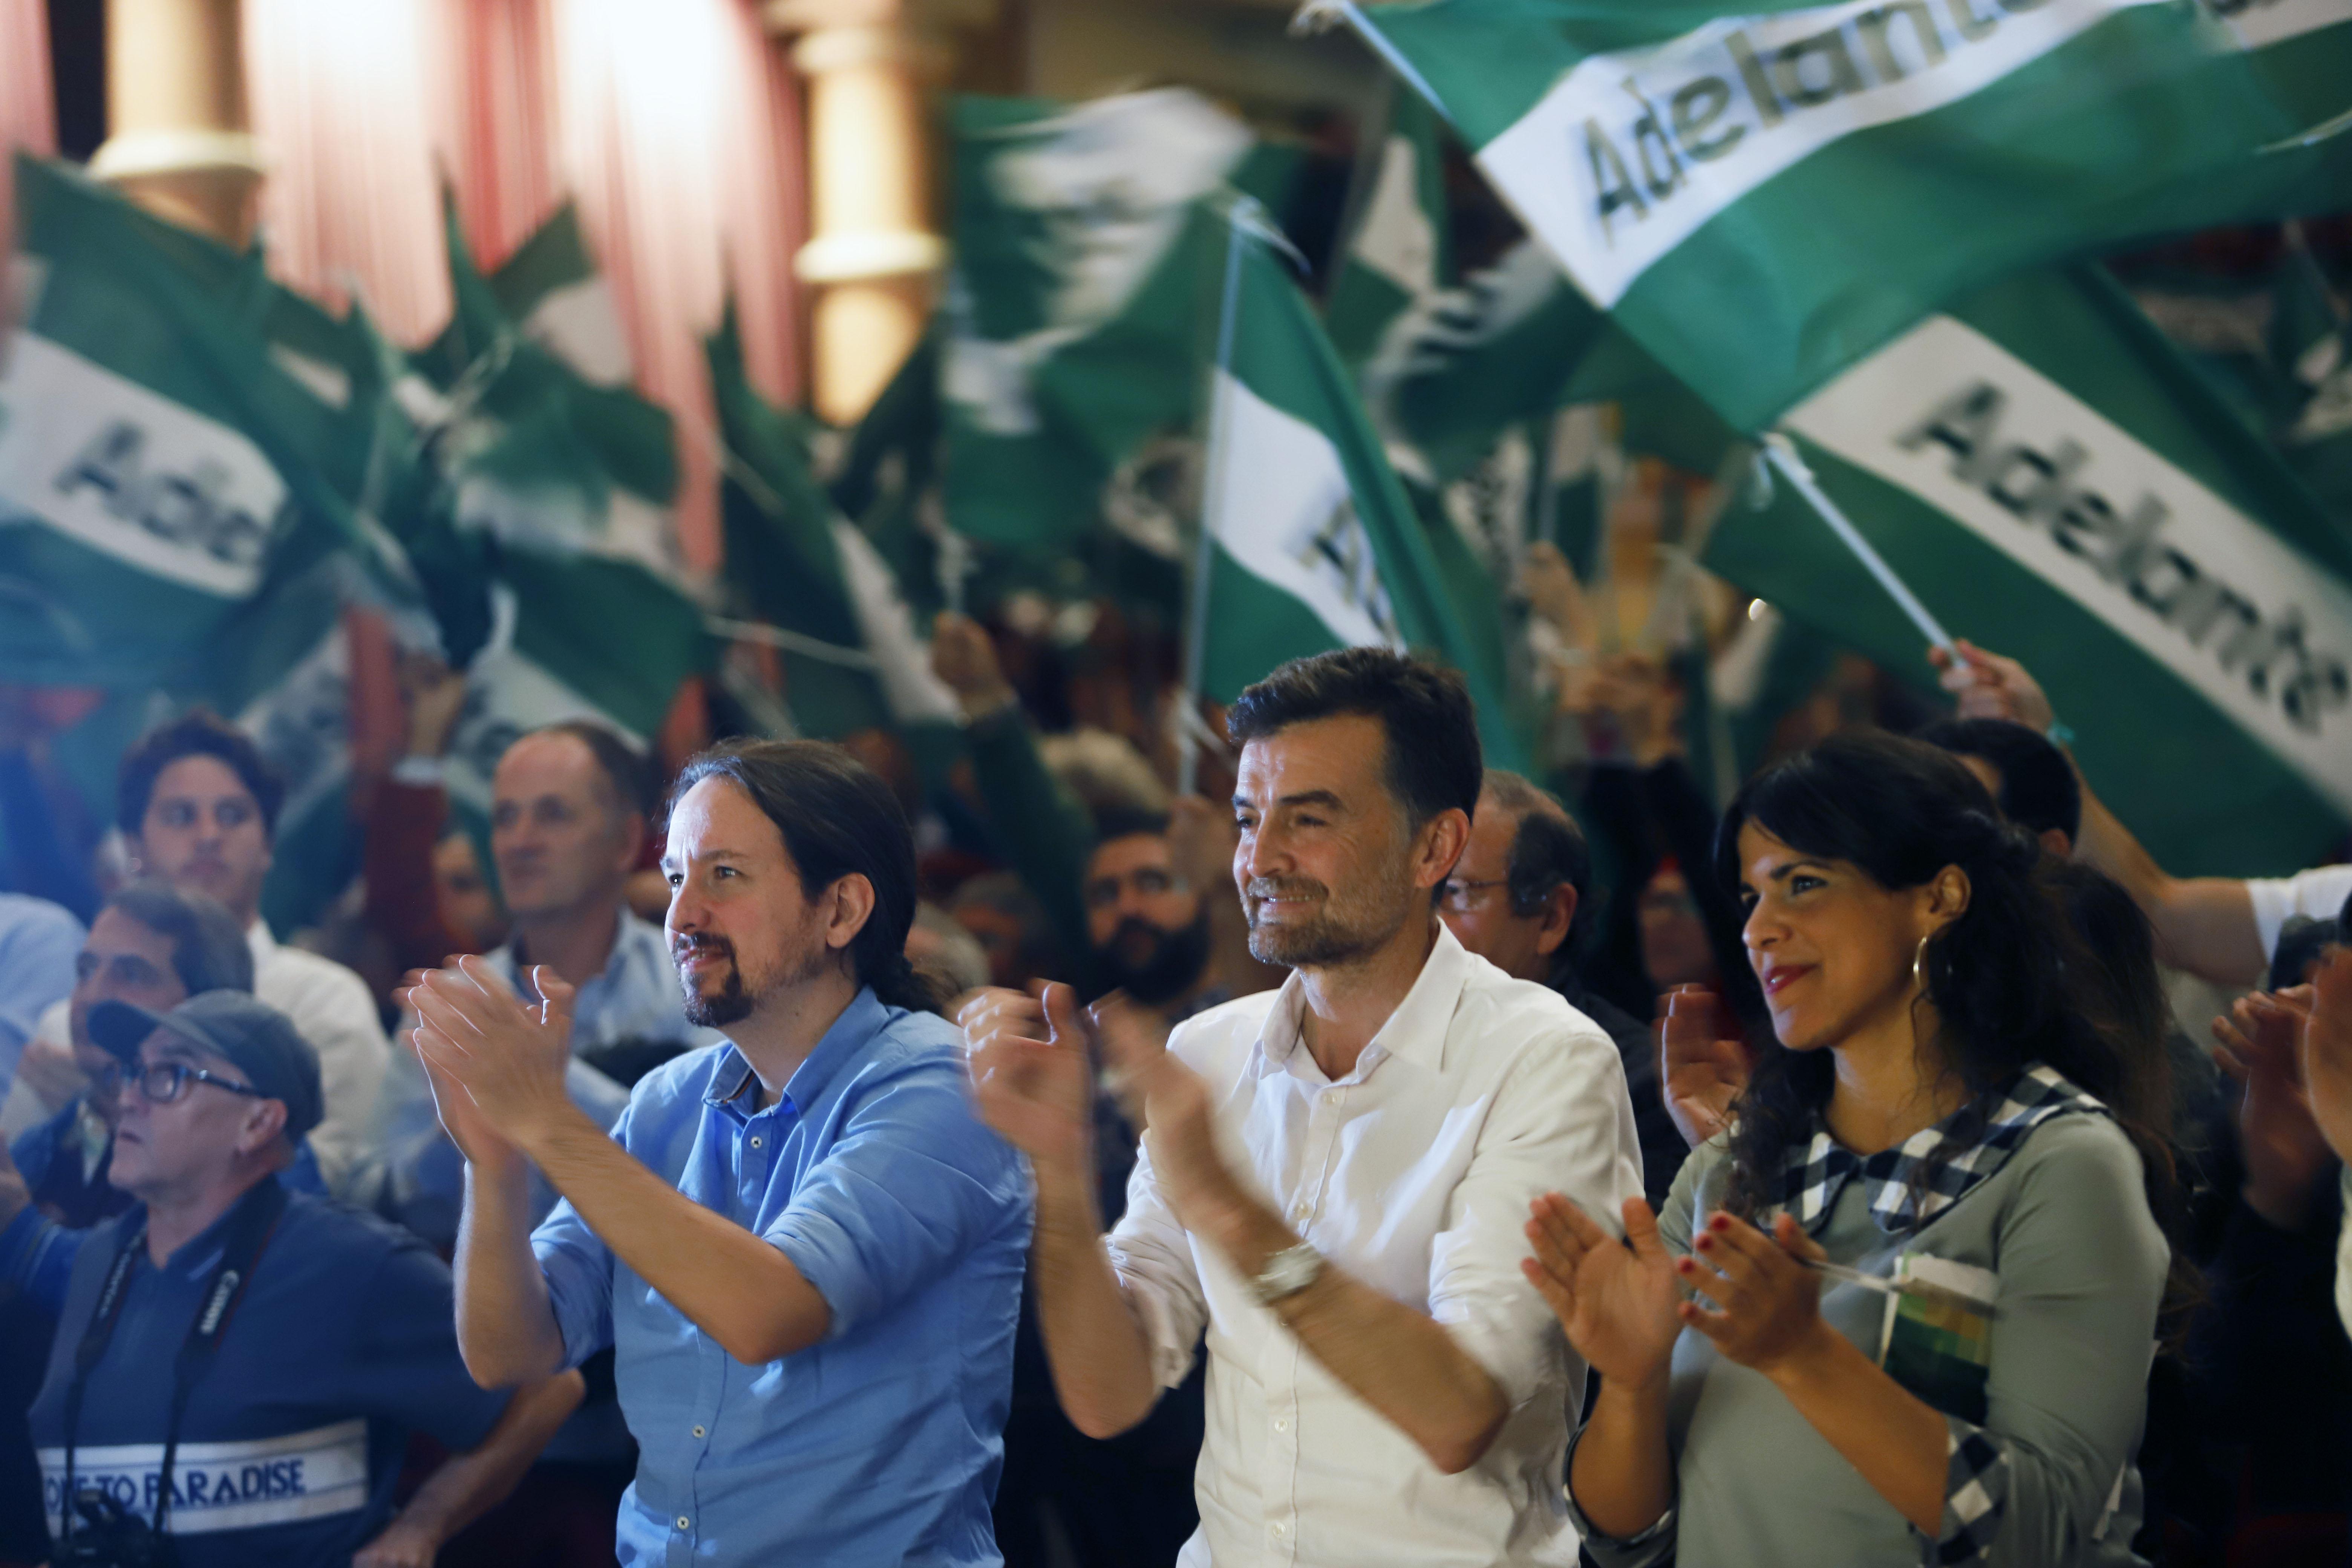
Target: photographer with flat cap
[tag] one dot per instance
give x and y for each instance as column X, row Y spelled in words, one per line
column 238, row 1366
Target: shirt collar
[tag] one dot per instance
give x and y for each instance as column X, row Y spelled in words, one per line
column 195, row 1257
column 1936, row 1167
column 1415, row 1031
column 257, row 938
column 629, row 935
column 849, row 1036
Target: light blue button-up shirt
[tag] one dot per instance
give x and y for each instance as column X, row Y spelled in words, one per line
column 881, row 1444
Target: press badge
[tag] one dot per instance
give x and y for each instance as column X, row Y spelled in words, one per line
column 1936, row 1338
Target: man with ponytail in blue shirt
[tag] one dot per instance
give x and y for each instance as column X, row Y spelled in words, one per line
column 805, row 1248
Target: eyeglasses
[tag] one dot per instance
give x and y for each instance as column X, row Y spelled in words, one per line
column 165, row 1082
column 1461, row 896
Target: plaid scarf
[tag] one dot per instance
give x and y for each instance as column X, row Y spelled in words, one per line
column 1907, row 1184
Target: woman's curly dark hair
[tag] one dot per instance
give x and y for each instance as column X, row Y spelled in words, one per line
column 2011, row 980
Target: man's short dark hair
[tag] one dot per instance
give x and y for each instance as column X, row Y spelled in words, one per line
column 196, row 734
column 624, row 767
column 2038, row 786
column 208, row 952
column 1129, row 822
column 1433, row 760
column 1546, row 850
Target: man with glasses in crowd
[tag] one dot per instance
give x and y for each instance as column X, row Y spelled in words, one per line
column 239, row 1366
column 156, row 946
column 1514, row 899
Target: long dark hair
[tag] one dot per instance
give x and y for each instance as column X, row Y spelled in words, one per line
column 838, row 818
column 2011, row 980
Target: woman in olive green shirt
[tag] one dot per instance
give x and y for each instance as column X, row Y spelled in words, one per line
column 1948, row 1097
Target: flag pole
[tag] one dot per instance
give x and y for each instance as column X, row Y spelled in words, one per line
column 1196, row 653
column 1316, row 15
column 1781, row 453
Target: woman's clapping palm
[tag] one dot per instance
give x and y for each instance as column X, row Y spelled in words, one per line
column 1614, row 1299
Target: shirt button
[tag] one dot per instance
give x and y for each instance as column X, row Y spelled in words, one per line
column 1277, row 1531
column 684, row 1522
column 1298, row 1210
column 1282, row 1423
column 698, row 1431
column 755, row 1140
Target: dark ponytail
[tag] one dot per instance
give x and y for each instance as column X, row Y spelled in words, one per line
column 838, row 819
column 2011, row 980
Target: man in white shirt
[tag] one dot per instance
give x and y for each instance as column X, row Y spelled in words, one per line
column 197, row 805
column 1334, row 1175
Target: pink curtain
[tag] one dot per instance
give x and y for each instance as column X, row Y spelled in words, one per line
column 28, row 112
column 500, row 139
column 677, row 132
column 675, row 126
column 348, row 101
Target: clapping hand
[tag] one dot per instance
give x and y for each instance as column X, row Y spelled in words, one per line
column 1703, row 1069
column 1032, row 1077
column 495, row 1063
column 1767, row 1302
column 2284, row 1151
column 1172, row 1101
column 2328, row 1052
column 1616, row 1300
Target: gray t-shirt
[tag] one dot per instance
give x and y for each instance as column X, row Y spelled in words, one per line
column 2064, row 1225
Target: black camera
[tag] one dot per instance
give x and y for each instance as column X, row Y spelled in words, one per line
column 108, row 1535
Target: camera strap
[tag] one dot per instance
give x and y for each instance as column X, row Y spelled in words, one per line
column 250, row 1224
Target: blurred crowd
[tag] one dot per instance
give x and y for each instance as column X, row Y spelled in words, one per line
column 1059, row 849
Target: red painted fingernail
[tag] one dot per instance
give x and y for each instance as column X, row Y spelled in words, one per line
column 1720, row 1222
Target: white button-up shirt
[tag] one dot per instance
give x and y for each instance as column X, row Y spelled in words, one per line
column 331, row 1008
column 1414, row 1174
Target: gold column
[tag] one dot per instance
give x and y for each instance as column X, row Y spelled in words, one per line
column 873, row 257
column 177, row 138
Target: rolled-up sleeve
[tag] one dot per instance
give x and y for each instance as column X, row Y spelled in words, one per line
column 578, row 1268
column 1561, row 1122
column 914, row 1184
column 1153, row 1258
column 2082, row 1270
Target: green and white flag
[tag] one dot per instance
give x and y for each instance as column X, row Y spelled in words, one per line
column 1400, row 251
column 2310, row 346
column 2053, row 480
column 1762, row 197
column 853, row 660
column 1072, row 311
column 191, row 461
column 1308, row 541
column 559, row 497
column 577, row 636
column 538, row 455
column 159, row 472
column 551, row 289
